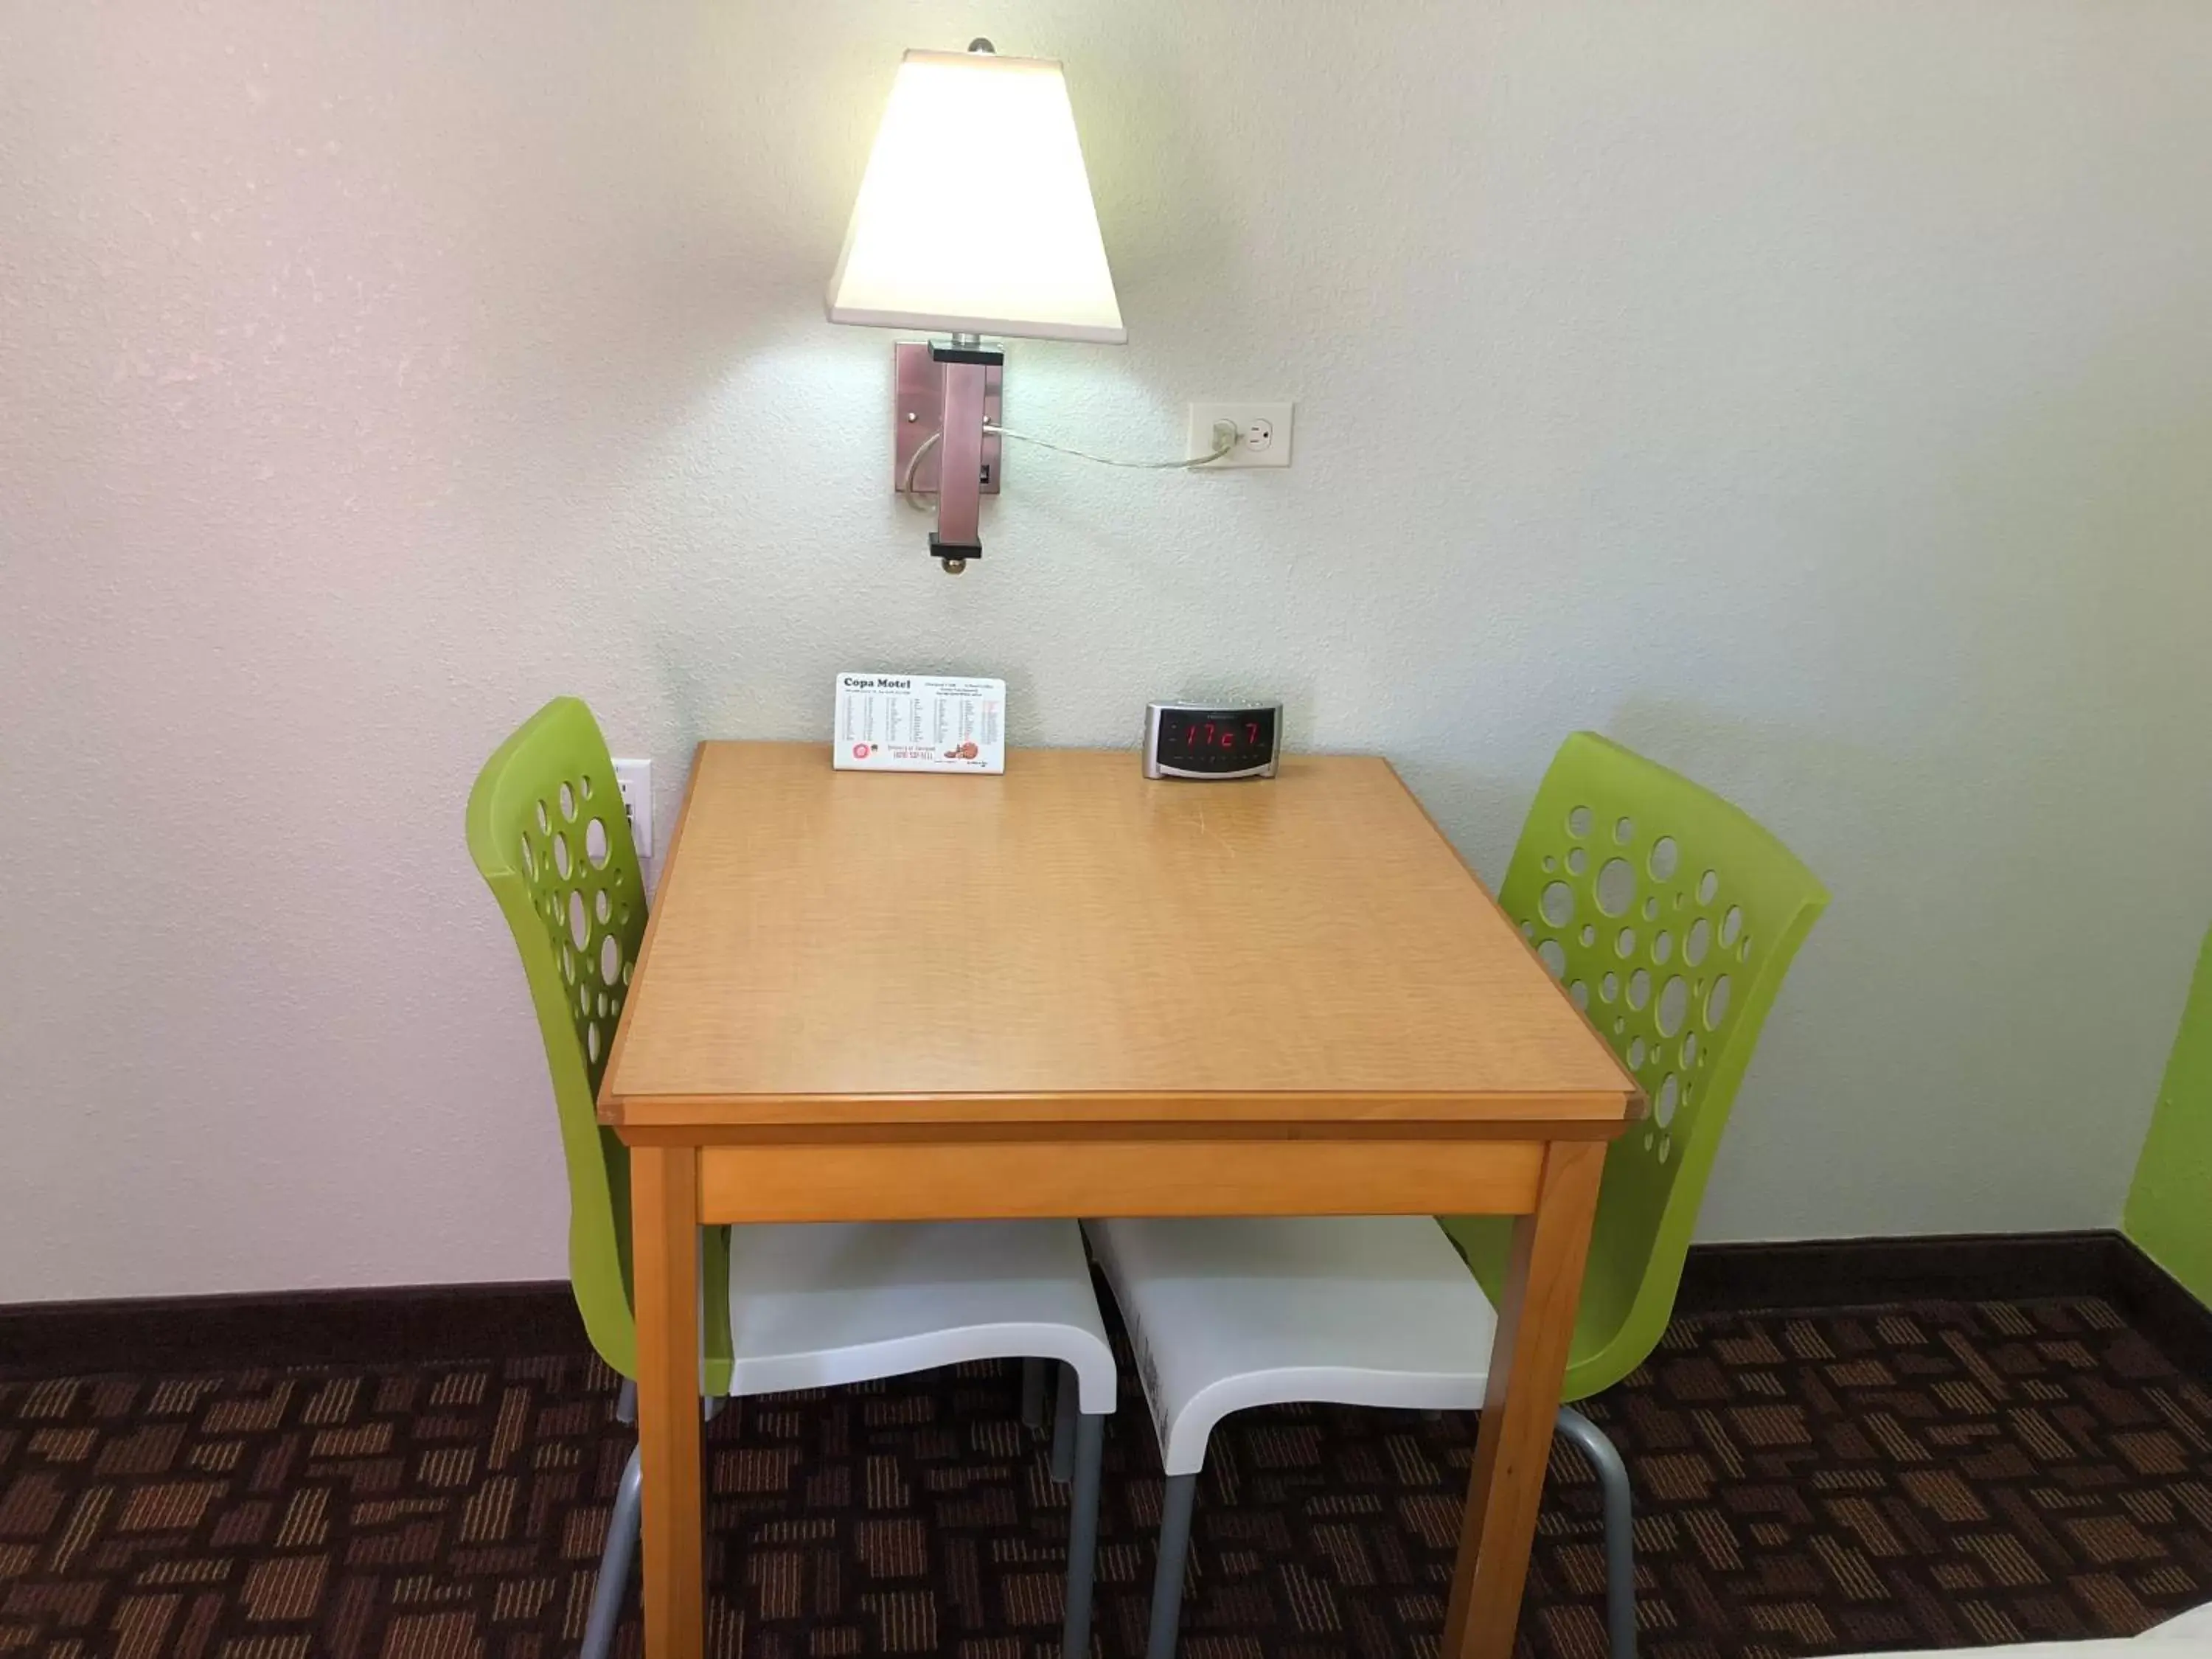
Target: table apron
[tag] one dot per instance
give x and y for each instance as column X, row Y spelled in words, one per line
column 904, row 1180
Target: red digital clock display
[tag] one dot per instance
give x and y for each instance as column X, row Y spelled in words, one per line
column 1216, row 740
column 1201, row 736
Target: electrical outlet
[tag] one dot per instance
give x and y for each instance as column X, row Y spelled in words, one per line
column 635, row 778
column 1263, row 434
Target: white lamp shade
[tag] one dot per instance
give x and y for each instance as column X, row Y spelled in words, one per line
column 975, row 216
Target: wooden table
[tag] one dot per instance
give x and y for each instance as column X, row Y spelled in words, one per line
column 1070, row 992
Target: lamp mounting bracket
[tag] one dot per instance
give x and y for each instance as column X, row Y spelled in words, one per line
column 918, row 413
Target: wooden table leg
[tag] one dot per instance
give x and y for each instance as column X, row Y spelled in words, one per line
column 1535, row 1326
column 664, row 1184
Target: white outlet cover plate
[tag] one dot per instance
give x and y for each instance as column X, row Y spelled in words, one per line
column 634, row 778
column 1263, row 433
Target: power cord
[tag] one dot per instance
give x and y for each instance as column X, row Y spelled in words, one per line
column 1225, row 443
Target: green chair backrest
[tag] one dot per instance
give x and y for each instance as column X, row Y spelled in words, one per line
column 2169, row 1208
column 547, row 831
column 1671, row 916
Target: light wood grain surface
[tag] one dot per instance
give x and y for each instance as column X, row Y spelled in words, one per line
column 951, row 1180
column 664, row 1241
column 1521, row 1399
column 1069, row 939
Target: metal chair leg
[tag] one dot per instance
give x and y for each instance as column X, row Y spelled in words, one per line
column 1175, row 1505
column 1033, row 1395
column 1063, row 1426
column 1083, row 1535
column 616, row 1560
column 1619, row 1528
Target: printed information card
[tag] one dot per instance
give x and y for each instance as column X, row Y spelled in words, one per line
column 919, row 723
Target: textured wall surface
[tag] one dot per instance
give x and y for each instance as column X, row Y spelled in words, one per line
column 1818, row 397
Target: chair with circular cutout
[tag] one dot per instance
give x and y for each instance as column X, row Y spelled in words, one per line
column 823, row 1304
column 1670, row 916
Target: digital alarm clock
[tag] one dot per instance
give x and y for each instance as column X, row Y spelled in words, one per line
column 1207, row 740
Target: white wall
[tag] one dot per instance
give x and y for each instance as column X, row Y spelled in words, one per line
column 1818, row 397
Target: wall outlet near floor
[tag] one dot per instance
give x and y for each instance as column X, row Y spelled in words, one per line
column 1263, row 434
column 635, row 778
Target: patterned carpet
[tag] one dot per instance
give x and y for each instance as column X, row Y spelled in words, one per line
column 1933, row 1474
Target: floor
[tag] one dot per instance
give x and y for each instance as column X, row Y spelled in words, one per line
column 1932, row 1473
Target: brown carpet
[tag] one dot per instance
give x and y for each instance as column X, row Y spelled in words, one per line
column 1933, row 1474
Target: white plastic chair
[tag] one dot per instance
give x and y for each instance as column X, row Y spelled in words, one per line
column 815, row 1305
column 1384, row 1312
column 805, row 1306
column 1224, row 1314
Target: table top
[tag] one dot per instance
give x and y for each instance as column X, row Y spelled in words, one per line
column 1071, row 940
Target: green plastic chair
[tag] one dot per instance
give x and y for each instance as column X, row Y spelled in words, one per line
column 548, row 834
column 1671, row 916
column 547, row 831
column 2166, row 1212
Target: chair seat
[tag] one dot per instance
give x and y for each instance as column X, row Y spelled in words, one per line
column 813, row 1304
column 1226, row 1314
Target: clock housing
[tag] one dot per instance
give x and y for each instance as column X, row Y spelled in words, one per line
column 1211, row 742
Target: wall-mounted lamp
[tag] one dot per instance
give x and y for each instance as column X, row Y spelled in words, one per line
column 975, row 217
